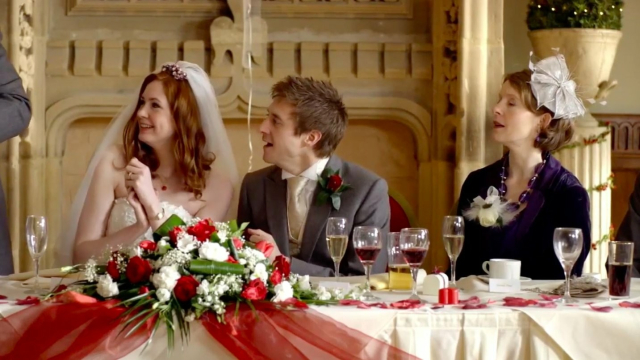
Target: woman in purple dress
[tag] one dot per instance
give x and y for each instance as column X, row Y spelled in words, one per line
column 513, row 206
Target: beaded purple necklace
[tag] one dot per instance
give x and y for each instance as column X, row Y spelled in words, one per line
column 503, row 177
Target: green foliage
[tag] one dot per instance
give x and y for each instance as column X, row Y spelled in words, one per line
column 584, row 14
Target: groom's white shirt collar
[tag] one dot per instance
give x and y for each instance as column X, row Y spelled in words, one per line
column 312, row 173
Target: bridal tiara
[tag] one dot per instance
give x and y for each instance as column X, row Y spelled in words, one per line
column 175, row 71
column 553, row 87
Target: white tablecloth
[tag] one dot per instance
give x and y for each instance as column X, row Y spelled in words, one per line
column 497, row 332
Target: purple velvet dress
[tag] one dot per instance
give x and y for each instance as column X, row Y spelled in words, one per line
column 557, row 200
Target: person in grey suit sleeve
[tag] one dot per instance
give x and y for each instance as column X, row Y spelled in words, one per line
column 305, row 123
column 629, row 229
column 15, row 114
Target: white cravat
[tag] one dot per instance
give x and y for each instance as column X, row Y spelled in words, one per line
column 302, row 198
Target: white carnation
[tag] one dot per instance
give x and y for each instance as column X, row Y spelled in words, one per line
column 106, row 286
column 213, row 251
column 260, row 272
column 186, row 242
column 166, row 278
column 283, row 291
column 163, row 295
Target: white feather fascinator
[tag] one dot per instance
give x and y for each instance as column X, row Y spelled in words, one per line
column 553, row 88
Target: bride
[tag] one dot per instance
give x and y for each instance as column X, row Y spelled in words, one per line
column 175, row 158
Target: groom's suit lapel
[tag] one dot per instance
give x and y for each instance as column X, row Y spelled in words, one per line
column 276, row 205
column 315, row 224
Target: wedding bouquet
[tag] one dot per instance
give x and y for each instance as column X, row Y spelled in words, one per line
column 191, row 268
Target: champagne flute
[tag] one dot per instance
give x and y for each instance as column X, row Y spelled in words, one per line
column 36, row 232
column 414, row 243
column 337, row 239
column 453, row 238
column 367, row 240
column 567, row 244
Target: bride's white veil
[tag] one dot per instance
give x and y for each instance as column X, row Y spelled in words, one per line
column 217, row 142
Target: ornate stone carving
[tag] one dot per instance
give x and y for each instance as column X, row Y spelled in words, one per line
column 270, row 8
column 26, row 63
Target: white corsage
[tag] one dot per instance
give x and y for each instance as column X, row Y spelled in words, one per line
column 491, row 211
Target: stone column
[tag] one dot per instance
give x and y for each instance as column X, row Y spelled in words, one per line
column 592, row 165
column 481, row 69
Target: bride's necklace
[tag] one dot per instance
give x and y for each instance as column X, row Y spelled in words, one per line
column 164, row 186
column 525, row 194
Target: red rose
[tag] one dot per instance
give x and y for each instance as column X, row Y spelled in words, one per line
column 112, row 270
column 334, row 183
column 143, row 290
column 138, row 270
column 276, row 277
column 148, row 245
column 173, row 234
column 282, row 264
column 202, row 230
column 186, row 288
column 265, row 247
column 237, row 243
column 255, row 290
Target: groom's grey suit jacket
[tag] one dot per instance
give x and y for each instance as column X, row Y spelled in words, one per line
column 263, row 203
column 15, row 114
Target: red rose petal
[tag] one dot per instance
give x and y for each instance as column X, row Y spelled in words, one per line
column 550, row 297
column 437, row 306
column 474, row 300
column 474, row 306
column 605, row 309
column 2, row 297
column 627, row 304
column 549, row 305
column 363, row 306
column 29, row 300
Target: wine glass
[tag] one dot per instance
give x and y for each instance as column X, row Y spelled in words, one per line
column 337, row 239
column 567, row 244
column 367, row 241
column 453, row 238
column 414, row 243
column 36, row 232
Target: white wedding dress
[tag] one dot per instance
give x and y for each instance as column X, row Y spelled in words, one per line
column 123, row 215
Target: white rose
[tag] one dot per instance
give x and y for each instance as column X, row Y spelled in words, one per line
column 283, row 291
column 163, row 246
column 106, row 286
column 260, row 272
column 213, row 251
column 163, row 295
column 303, row 283
column 166, row 278
column 186, row 242
column 488, row 217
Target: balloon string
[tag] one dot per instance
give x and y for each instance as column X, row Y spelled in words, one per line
column 249, row 61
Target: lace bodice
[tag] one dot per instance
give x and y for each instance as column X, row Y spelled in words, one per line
column 123, row 215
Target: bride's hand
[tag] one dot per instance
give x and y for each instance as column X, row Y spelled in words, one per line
column 141, row 215
column 138, row 178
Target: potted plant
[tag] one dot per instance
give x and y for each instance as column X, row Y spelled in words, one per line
column 587, row 33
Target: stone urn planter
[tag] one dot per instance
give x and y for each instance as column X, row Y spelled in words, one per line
column 589, row 53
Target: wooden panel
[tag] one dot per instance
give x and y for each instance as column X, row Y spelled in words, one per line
column 625, row 180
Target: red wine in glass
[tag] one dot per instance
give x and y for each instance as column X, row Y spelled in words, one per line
column 619, row 280
column 414, row 256
column 368, row 254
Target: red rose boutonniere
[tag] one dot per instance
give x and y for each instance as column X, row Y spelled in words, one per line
column 331, row 187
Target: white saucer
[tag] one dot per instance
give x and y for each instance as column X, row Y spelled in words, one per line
column 485, row 278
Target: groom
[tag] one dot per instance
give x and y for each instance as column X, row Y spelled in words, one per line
column 305, row 123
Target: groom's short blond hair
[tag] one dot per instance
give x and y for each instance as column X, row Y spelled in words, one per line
column 319, row 107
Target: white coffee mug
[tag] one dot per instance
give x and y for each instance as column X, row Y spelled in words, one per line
column 502, row 268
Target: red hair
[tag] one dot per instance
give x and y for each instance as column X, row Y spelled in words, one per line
column 193, row 163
